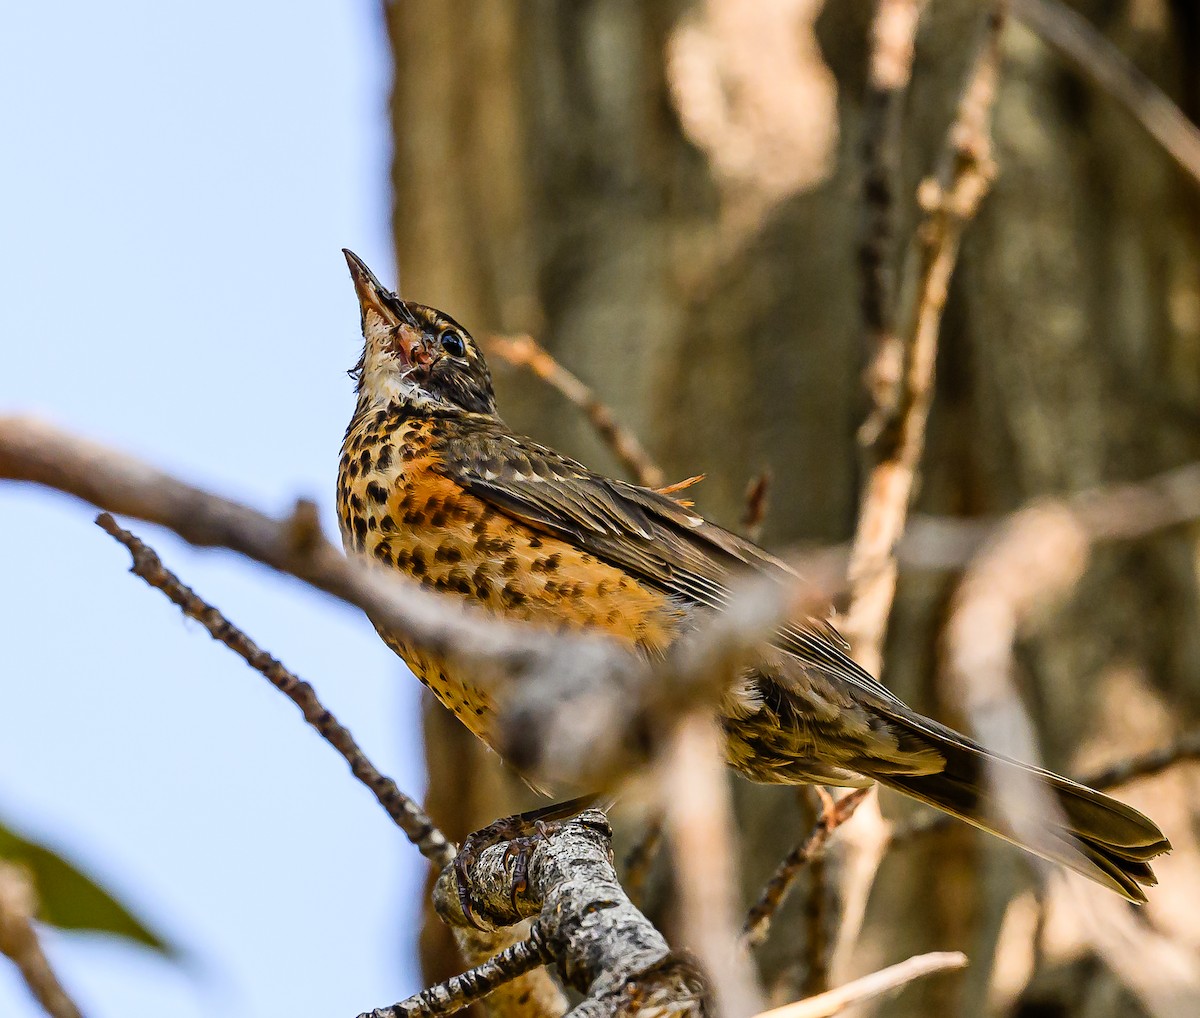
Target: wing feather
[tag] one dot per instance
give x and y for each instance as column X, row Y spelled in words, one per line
column 650, row 535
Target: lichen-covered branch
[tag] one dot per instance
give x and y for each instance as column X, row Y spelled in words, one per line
column 601, row 944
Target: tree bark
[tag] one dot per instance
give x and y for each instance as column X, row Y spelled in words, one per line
column 545, row 183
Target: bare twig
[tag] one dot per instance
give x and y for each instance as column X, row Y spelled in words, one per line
column 640, row 858
column 757, row 501
column 950, row 201
column 895, row 435
column 1075, row 38
column 893, row 30
column 758, row 921
column 463, row 990
column 886, row 980
column 19, row 942
column 524, row 351
column 1185, row 748
column 404, row 811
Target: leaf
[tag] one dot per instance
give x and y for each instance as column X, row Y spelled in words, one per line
column 72, row 901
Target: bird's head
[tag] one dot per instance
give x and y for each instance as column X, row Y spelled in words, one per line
column 415, row 355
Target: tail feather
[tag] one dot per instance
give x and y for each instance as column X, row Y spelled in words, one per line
column 1092, row 833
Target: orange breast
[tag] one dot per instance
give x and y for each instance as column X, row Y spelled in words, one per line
column 394, row 506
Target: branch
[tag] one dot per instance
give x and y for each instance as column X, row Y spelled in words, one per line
column 1185, row 748
column 700, row 824
column 897, row 433
column 463, row 990
column 894, row 435
column 493, row 650
column 574, row 709
column 833, row 1002
column 773, row 895
column 602, row 946
column 892, row 35
column 1075, row 38
column 525, row 352
column 757, row 499
column 405, row 812
column 19, row 942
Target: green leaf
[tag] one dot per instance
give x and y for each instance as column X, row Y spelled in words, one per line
column 72, row 901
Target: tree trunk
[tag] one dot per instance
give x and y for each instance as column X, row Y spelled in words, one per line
column 617, row 179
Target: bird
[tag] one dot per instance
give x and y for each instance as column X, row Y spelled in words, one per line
column 434, row 485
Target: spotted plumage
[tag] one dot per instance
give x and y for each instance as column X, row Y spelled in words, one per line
column 432, row 483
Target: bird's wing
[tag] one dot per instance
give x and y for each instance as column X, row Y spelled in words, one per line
column 649, row 535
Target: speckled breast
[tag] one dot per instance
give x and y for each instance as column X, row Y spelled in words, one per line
column 395, row 506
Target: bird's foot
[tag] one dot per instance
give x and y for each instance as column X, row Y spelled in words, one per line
column 522, row 832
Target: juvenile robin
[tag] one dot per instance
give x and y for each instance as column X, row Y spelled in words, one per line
column 432, row 483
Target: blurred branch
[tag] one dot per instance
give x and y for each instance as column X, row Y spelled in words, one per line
column 1075, row 38
column 463, row 990
column 525, row 352
column 876, row 984
column 833, row 815
column 19, row 942
column 1185, row 748
column 757, row 500
column 896, row 434
column 601, row 945
column 700, row 825
column 640, row 858
column 890, row 69
column 405, row 812
column 632, row 703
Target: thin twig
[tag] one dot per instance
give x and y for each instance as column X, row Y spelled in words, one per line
column 757, row 502
column 1185, row 748
column 892, row 35
column 893, row 977
column 19, row 942
column 1075, row 38
column 758, row 920
column 896, row 436
column 461, row 991
column 950, row 200
column 816, row 943
column 404, row 811
column 640, row 858
column 525, row 352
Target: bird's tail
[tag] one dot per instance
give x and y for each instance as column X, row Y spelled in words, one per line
column 1089, row 832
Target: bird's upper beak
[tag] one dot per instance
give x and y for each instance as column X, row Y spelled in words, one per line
column 372, row 294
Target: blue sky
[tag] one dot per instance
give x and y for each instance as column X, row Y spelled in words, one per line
column 177, row 182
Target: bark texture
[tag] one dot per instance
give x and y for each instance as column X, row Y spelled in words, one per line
column 587, row 172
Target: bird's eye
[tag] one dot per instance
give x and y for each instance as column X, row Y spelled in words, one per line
column 453, row 343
